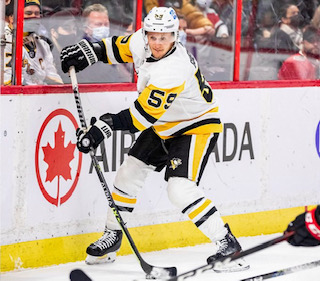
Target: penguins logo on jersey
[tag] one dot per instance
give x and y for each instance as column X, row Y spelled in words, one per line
column 175, row 162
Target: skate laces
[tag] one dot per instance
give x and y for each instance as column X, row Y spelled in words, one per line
column 223, row 245
column 107, row 240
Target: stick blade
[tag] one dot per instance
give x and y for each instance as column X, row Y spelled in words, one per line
column 79, row 275
column 161, row 273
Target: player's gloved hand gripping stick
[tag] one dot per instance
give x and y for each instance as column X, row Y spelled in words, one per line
column 86, row 144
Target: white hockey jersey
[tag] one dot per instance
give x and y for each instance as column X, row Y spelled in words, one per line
column 38, row 65
column 7, row 62
column 175, row 99
column 37, row 62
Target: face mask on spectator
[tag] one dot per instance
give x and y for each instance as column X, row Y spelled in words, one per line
column 296, row 20
column 183, row 37
column 31, row 25
column 100, row 32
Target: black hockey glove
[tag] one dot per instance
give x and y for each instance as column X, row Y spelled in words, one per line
column 90, row 139
column 79, row 55
column 307, row 229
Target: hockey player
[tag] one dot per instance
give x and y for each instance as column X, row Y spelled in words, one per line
column 307, row 229
column 177, row 113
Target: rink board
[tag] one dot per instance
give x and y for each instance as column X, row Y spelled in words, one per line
column 264, row 170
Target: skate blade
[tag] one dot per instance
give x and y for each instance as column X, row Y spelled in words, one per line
column 108, row 258
column 233, row 266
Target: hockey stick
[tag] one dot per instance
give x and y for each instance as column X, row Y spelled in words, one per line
column 150, row 270
column 229, row 258
column 283, row 271
column 79, row 275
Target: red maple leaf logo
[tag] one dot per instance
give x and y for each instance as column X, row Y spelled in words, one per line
column 58, row 158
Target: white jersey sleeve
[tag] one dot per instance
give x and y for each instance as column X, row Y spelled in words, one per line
column 7, row 62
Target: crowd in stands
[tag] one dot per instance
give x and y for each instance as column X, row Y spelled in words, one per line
column 289, row 28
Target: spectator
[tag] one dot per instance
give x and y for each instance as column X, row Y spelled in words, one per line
column 288, row 36
column 95, row 27
column 221, row 30
column 31, row 11
column 96, row 23
column 225, row 10
column 120, row 12
column 182, row 31
column 8, row 31
column 306, row 8
column 37, row 67
column 300, row 66
column 63, row 32
column 316, row 18
column 265, row 28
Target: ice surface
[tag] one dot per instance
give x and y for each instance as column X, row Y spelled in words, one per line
column 127, row 268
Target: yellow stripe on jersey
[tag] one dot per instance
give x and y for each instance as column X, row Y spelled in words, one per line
column 122, row 199
column 155, row 101
column 201, row 142
column 197, row 211
column 122, row 43
column 169, row 125
column 119, row 49
column 205, row 129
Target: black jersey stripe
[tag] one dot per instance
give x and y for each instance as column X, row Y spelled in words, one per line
column 191, row 205
column 124, row 209
column 196, row 125
column 206, row 216
column 115, row 50
column 212, row 144
column 147, row 116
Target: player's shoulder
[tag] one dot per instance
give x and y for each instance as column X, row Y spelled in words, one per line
column 181, row 61
column 136, row 44
column 136, row 39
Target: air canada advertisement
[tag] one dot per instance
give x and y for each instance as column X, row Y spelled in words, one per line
column 266, row 158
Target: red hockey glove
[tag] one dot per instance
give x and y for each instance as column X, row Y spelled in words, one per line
column 307, row 229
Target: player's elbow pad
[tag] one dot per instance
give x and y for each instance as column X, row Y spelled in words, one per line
column 100, row 50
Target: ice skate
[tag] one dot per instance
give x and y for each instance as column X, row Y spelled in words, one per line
column 228, row 246
column 104, row 250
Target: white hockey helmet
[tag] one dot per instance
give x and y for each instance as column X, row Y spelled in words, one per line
column 161, row 19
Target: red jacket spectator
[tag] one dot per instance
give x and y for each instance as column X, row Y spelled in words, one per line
column 297, row 67
column 300, row 66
